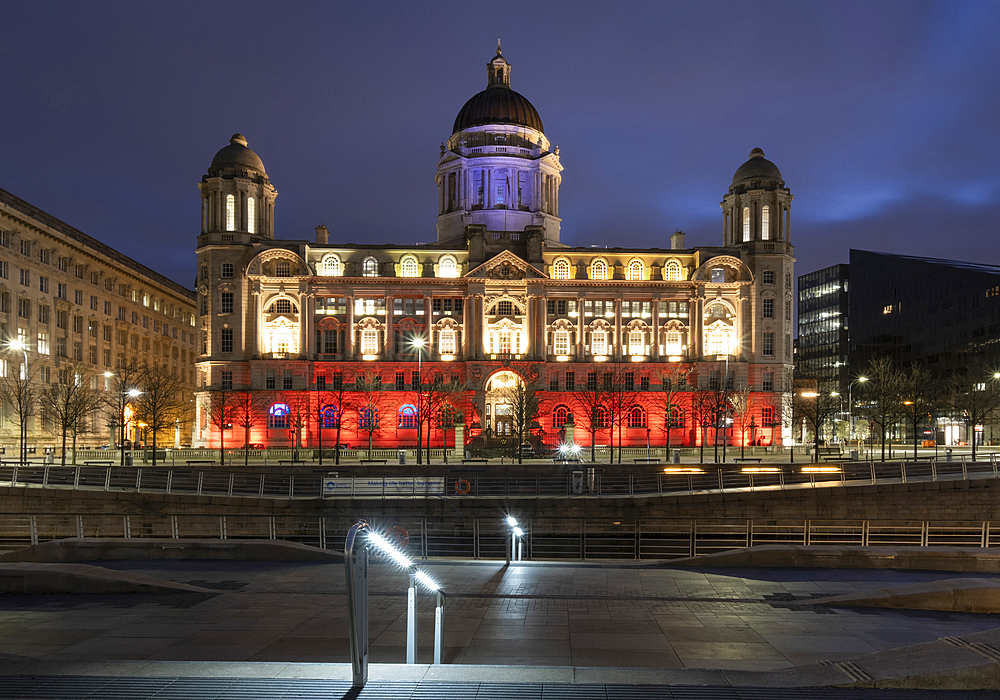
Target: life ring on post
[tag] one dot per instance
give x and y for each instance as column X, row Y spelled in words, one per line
column 462, row 487
column 400, row 535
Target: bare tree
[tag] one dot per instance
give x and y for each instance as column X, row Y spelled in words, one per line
column 248, row 403
column 591, row 407
column 69, row 402
column 744, row 402
column 919, row 400
column 882, row 402
column 161, row 402
column 299, row 411
column 436, row 394
column 19, row 390
column 221, row 413
column 818, row 408
column 619, row 382
column 123, row 389
column 974, row 396
column 704, row 412
column 370, row 403
column 673, row 383
column 525, row 401
column 342, row 403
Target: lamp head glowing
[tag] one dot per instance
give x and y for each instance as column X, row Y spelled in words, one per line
column 427, row 581
column 511, row 521
column 16, row 345
column 383, row 544
column 809, row 394
column 134, row 393
column 109, row 374
column 862, row 379
column 417, row 342
column 519, row 532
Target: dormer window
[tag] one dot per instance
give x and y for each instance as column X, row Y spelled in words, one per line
column 330, row 267
column 598, row 270
column 447, row 267
column 718, row 274
column 369, row 267
column 673, row 271
column 636, row 271
column 560, row 270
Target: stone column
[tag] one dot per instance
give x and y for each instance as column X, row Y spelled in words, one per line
column 579, row 330
column 531, row 352
column 654, row 351
column 619, row 349
column 349, row 354
column 307, row 322
column 428, row 325
column 570, row 428
column 390, row 345
column 460, row 440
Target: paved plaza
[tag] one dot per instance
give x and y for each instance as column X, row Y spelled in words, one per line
column 624, row 622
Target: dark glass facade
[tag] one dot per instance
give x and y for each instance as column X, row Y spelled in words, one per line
column 822, row 321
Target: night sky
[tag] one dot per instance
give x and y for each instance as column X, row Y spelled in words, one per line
column 883, row 117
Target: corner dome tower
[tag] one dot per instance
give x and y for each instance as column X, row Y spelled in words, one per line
column 757, row 206
column 497, row 170
column 237, row 199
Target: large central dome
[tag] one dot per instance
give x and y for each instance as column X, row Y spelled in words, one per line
column 498, row 104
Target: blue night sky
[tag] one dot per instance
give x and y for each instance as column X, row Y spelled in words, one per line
column 884, row 117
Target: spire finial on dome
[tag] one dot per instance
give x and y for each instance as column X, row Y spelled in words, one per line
column 498, row 70
column 498, row 47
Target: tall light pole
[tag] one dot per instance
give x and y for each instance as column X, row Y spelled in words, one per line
column 850, row 401
column 418, row 343
column 18, row 344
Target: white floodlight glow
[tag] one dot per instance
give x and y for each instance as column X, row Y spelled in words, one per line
column 511, row 521
column 427, row 581
column 519, row 532
column 383, row 544
column 576, row 449
column 134, row 393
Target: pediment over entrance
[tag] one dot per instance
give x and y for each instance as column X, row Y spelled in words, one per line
column 506, row 266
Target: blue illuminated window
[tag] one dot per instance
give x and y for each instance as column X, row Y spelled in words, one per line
column 277, row 416
column 408, row 416
column 331, row 417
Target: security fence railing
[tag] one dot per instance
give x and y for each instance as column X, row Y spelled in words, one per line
column 577, row 481
column 486, row 538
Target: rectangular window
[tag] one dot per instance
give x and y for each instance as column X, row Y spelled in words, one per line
column 768, row 308
column 599, row 343
column 400, row 381
column 320, row 382
column 43, row 314
column 768, row 343
column 629, row 381
column 477, row 179
column 369, row 341
column 60, row 347
column 562, row 343
column 227, row 302
column 644, row 383
column 570, row 381
column 78, row 297
column 43, row 343
column 591, row 381
column 43, row 284
column 5, row 302
column 93, row 303
column 107, row 358
column 227, row 380
column 635, row 344
column 25, row 247
column 286, row 380
column 78, row 351
column 446, row 342
column 768, row 277
column 269, row 380
column 227, row 271
column 24, row 308
column 107, row 308
column 767, row 381
column 767, row 415
column 62, row 319
column 26, row 278
column 61, row 291
column 415, row 379
column 227, row 340
column 554, row 381
column 3, row 269
column 107, row 333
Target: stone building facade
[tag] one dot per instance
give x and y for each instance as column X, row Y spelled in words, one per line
column 497, row 291
column 74, row 301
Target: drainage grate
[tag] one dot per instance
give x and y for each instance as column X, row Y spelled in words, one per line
column 97, row 688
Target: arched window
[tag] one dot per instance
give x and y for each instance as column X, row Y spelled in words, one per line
column 446, row 342
column 718, row 274
column 408, row 416
column 369, row 267
column 330, row 267
column 637, row 417
column 598, row 270
column 636, row 344
column 277, row 416
column 676, row 418
column 251, row 215
column 368, row 418
column 559, row 414
column 282, row 268
column 600, row 417
column 447, row 267
column 673, row 271
column 230, row 212
column 599, row 343
column 765, row 223
column 282, row 306
column 746, row 223
column 636, row 270
column 560, row 270
column 331, row 417
column 408, row 267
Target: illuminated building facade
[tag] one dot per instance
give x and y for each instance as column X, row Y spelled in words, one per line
column 496, row 292
column 75, row 302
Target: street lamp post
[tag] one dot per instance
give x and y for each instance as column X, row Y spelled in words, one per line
column 418, row 343
column 850, row 402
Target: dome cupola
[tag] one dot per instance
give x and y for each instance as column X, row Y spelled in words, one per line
column 758, row 173
column 498, row 104
column 236, row 158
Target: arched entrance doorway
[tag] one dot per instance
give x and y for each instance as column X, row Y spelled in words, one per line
column 499, row 396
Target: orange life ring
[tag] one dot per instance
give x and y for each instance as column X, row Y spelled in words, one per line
column 462, row 487
column 399, row 533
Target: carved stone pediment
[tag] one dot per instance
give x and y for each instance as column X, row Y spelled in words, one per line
column 505, row 266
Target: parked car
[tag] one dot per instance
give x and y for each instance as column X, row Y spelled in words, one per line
column 255, row 446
